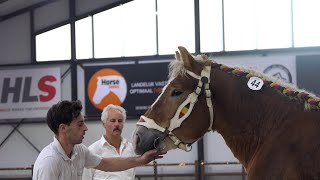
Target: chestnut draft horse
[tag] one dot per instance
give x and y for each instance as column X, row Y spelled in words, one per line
column 272, row 128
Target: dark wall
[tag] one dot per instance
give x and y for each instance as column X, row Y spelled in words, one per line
column 308, row 73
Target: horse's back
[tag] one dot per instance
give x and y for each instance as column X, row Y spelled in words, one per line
column 292, row 152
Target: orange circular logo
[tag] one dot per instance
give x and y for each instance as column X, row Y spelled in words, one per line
column 107, row 86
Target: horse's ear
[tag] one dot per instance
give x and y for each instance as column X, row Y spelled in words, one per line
column 186, row 57
column 178, row 57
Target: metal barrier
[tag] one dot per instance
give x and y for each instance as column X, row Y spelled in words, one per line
column 155, row 174
column 243, row 173
column 28, row 177
column 197, row 175
column 16, row 169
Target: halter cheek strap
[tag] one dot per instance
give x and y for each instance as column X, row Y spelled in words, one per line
column 185, row 109
column 205, row 78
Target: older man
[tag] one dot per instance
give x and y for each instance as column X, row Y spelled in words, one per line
column 112, row 144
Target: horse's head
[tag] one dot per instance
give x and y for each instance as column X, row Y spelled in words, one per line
column 183, row 112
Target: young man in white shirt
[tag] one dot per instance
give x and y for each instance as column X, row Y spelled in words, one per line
column 111, row 144
column 65, row 158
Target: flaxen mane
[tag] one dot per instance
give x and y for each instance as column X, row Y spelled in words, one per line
column 177, row 68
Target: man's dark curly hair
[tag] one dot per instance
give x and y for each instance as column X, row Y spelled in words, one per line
column 63, row 113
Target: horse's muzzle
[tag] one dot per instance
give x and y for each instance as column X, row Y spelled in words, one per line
column 145, row 139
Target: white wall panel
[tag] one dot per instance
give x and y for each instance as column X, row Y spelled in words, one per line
column 38, row 134
column 4, row 131
column 216, row 150
column 84, row 6
column 16, row 152
column 15, row 40
column 51, row 14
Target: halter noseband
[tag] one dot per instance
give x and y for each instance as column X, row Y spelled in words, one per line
column 184, row 110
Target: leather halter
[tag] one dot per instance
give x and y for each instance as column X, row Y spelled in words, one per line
column 184, row 110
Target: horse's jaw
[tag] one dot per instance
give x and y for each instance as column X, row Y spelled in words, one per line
column 167, row 144
column 147, row 139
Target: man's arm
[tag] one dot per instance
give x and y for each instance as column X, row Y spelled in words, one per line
column 121, row 164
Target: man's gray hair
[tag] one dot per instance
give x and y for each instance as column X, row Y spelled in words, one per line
column 105, row 114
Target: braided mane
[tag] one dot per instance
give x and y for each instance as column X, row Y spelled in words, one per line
column 311, row 100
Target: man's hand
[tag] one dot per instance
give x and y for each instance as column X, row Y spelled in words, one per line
column 150, row 156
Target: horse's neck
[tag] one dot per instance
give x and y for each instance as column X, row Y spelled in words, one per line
column 242, row 118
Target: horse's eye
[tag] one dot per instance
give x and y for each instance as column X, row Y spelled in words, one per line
column 176, row 93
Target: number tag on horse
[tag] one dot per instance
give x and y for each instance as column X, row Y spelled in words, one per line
column 255, row 83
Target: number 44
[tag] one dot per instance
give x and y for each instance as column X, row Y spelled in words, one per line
column 255, row 83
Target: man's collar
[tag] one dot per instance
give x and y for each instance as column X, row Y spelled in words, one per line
column 103, row 141
column 61, row 151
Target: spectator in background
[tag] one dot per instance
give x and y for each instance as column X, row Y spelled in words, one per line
column 112, row 144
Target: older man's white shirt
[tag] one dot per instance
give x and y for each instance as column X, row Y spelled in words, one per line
column 53, row 163
column 104, row 149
